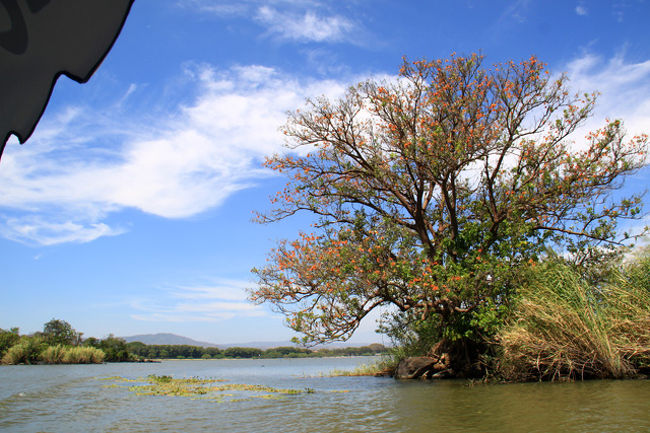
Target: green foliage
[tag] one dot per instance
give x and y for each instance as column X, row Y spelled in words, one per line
column 195, row 352
column 242, row 352
column 370, row 350
column 207, row 389
column 286, row 352
column 563, row 326
column 154, row 351
column 26, row 351
column 114, row 348
column 410, row 335
column 486, row 321
column 83, row 355
column 159, row 379
column 60, row 332
column 37, row 348
column 72, row 355
column 53, row 354
column 8, row 339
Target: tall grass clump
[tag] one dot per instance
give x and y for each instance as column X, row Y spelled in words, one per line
column 82, row 355
column 53, row 354
column 563, row 327
column 27, row 351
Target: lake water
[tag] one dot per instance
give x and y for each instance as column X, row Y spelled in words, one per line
column 79, row 398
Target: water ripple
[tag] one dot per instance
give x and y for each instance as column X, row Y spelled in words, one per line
column 73, row 399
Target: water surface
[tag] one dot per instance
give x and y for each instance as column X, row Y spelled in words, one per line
column 74, row 398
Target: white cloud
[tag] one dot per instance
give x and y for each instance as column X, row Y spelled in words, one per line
column 229, row 290
column 307, row 27
column 221, row 9
column 624, row 89
column 293, row 20
column 226, row 299
column 27, row 230
column 86, row 163
column 581, row 10
column 181, row 318
column 618, row 10
column 517, row 11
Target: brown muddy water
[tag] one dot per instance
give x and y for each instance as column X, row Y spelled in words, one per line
column 96, row 398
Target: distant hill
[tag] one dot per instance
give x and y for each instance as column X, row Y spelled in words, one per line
column 171, row 339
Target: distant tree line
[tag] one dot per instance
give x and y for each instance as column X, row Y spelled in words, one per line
column 115, row 348
column 60, row 343
column 183, row 351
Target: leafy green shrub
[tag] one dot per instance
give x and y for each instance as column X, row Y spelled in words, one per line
column 60, row 332
column 242, row 352
column 27, row 351
column 8, row 339
column 114, row 348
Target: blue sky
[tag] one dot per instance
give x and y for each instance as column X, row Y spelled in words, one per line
column 129, row 209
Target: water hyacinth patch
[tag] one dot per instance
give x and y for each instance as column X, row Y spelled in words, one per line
column 199, row 388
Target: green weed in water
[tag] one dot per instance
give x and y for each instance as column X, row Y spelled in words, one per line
column 205, row 389
column 118, row 379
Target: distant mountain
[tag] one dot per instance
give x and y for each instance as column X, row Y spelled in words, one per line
column 171, row 339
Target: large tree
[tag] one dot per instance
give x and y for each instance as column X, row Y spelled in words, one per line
column 61, row 332
column 430, row 190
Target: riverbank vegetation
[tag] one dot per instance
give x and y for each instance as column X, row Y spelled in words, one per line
column 563, row 326
column 59, row 343
column 196, row 352
column 467, row 200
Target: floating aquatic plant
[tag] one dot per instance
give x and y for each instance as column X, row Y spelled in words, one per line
column 204, row 389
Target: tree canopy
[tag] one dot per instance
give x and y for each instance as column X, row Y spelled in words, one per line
column 430, row 190
column 61, row 332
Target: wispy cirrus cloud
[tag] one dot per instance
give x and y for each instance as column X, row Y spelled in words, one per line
column 44, row 232
column 85, row 164
column 290, row 20
column 581, row 9
column 307, row 26
column 517, row 11
column 223, row 300
column 624, row 89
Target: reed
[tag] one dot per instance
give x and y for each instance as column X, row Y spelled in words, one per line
column 60, row 354
column 53, row 354
column 82, row 355
column 383, row 367
column 565, row 328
